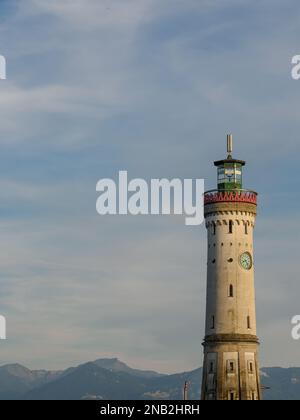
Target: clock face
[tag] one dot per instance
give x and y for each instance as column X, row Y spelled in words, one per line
column 246, row 260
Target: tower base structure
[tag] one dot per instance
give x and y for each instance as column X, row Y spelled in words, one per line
column 230, row 368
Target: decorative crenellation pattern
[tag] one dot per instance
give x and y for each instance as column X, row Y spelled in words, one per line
column 239, row 222
column 245, row 196
column 235, row 217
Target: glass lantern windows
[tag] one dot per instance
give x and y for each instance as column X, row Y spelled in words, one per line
column 230, row 176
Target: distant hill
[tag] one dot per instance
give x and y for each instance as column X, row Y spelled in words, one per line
column 112, row 379
column 16, row 380
column 115, row 365
column 90, row 381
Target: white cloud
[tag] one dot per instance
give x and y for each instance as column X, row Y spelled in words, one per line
column 92, row 14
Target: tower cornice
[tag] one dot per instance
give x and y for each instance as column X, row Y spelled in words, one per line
column 216, row 201
column 230, row 207
column 231, row 338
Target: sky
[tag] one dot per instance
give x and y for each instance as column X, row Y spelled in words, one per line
column 152, row 87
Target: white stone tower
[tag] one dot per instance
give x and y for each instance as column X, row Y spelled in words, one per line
column 230, row 368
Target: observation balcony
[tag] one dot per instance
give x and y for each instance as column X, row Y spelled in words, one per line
column 225, row 196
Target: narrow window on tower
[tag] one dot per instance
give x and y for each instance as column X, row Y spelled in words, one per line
column 230, row 226
column 212, row 322
column 250, row 367
column 230, row 366
column 248, row 323
column 211, row 367
column 231, row 396
column 246, row 228
column 214, row 228
column 231, row 290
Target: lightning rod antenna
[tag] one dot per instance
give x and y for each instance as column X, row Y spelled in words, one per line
column 229, row 145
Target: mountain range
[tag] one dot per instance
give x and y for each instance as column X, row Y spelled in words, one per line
column 111, row 379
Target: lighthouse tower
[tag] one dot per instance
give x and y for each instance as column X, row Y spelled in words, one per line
column 230, row 368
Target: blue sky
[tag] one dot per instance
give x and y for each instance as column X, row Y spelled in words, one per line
column 151, row 87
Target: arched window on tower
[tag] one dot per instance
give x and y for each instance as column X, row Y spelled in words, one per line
column 230, row 293
column 230, row 226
